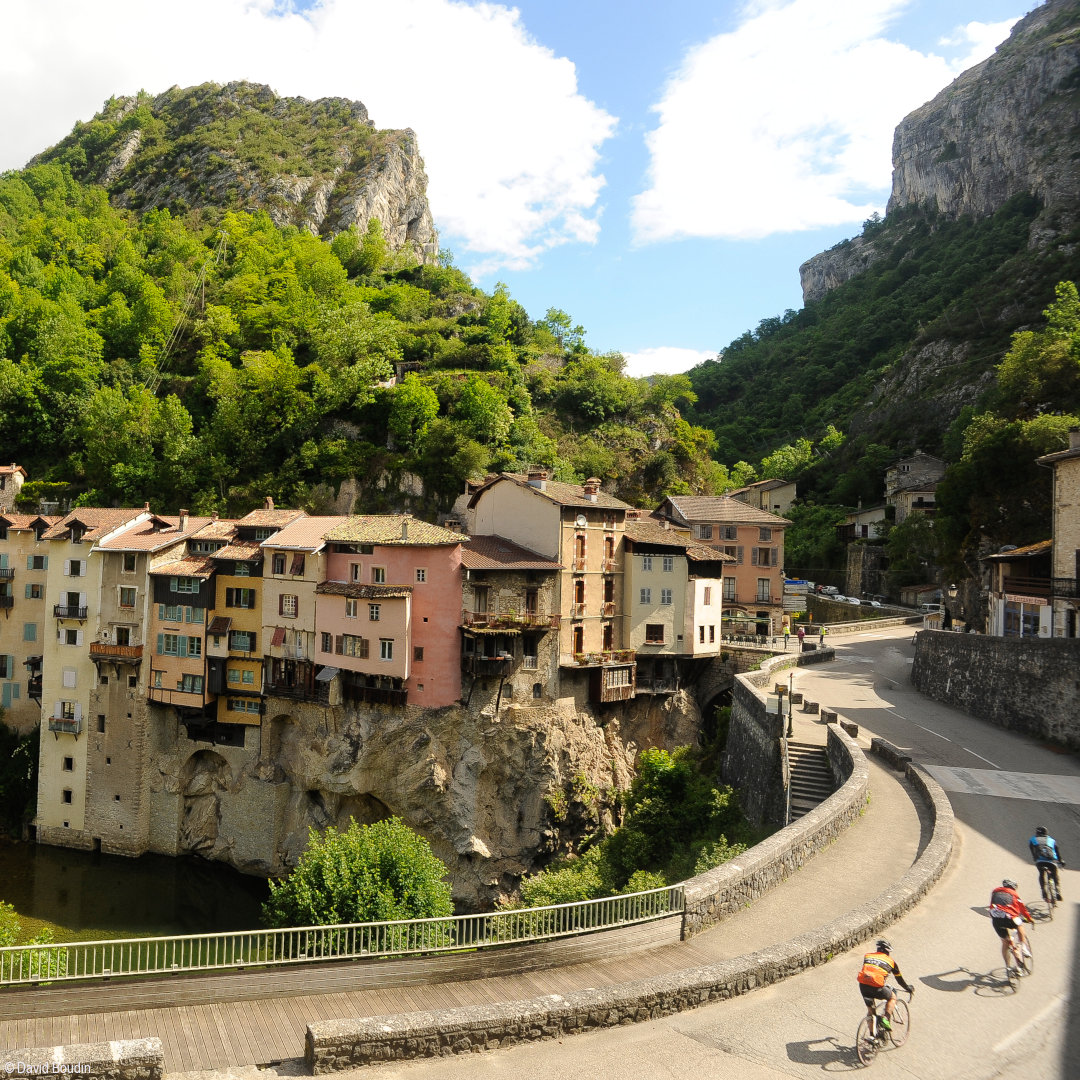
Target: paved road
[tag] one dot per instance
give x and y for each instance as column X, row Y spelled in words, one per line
column 966, row 1026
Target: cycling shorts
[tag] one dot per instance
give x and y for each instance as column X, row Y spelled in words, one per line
column 1003, row 926
column 870, row 994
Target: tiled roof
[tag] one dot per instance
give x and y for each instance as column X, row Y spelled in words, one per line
column 193, row 566
column 270, row 519
column 399, row 529
column 244, row 550
column 219, row 624
column 304, row 534
column 1029, row 551
column 144, row 537
column 651, row 532
column 366, row 592
column 26, row 521
column 556, row 492
column 218, row 529
column 724, row 510
column 498, row 553
column 1060, row 455
column 10, row 470
column 97, row 521
column 761, row 485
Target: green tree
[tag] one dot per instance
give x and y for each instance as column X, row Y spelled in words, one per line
column 482, row 412
column 413, row 406
column 368, row 873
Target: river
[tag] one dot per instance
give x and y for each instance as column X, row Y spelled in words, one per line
column 83, row 896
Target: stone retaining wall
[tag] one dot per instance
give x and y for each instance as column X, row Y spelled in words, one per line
column 135, row 1059
column 1024, row 684
column 344, row 1044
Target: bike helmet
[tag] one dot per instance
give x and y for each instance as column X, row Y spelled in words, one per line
column 1041, row 830
column 883, row 945
column 1009, row 883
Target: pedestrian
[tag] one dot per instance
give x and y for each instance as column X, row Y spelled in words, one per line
column 802, row 635
column 787, row 635
column 821, row 634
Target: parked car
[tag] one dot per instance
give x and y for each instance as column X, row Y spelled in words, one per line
column 929, row 609
column 828, row 590
column 870, row 603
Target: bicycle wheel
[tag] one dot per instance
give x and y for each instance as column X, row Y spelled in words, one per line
column 901, row 1024
column 1027, row 962
column 866, row 1045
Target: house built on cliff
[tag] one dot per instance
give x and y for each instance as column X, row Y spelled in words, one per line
column 1065, row 568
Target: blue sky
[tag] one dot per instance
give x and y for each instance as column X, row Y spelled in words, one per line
column 659, row 172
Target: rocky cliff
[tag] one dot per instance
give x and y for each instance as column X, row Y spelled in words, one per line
column 319, row 165
column 1004, row 127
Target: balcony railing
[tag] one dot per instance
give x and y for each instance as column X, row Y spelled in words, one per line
column 487, row 666
column 577, row 611
column 61, row 724
column 1065, row 586
column 599, row 659
column 530, row 663
column 66, row 611
column 6, row 573
column 190, row 699
column 608, row 609
column 7, row 601
column 579, row 563
column 509, row 620
column 33, row 688
column 1028, row 586
column 320, row 692
column 378, row 695
column 657, row 686
column 124, row 654
column 609, row 566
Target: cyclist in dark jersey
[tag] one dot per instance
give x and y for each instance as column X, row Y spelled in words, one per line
column 876, row 968
column 1008, row 912
column 1047, row 855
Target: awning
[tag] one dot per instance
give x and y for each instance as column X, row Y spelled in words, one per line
column 219, row 624
column 279, row 636
column 327, row 674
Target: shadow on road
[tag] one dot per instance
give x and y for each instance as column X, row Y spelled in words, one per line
column 829, row 1054
column 958, row 980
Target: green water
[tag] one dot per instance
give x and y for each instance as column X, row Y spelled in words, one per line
column 85, row 896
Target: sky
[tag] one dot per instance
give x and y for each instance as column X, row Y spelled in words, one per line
column 657, row 171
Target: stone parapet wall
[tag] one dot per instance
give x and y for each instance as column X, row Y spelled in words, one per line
column 344, row 1044
column 133, row 1059
column 1028, row 685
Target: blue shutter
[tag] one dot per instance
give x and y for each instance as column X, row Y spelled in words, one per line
column 28, row 592
column 161, row 644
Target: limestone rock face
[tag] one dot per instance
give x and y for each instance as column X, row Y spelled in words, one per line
column 1004, row 127
column 319, row 165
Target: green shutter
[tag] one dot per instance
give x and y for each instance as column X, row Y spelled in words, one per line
column 161, row 644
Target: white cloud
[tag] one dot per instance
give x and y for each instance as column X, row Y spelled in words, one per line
column 664, row 360
column 786, row 123
column 511, row 146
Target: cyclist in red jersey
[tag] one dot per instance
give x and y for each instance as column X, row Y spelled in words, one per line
column 1008, row 911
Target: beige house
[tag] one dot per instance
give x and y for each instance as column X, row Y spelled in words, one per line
column 776, row 496
column 866, row 523
column 12, row 478
column 1065, row 568
column 1018, row 600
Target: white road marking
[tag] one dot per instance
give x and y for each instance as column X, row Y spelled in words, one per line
column 937, row 733
column 1038, row 787
column 980, row 757
column 1055, row 1005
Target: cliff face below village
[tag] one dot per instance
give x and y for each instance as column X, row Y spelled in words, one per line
column 319, row 165
column 1004, row 127
column 497, row 797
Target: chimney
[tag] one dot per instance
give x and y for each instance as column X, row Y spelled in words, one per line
column 183, row 520
column 405, row 527
column 214, row 516
column 537, row 477
column 591, row 487
column 146, row 506
column 268, row 503
column 1074, row 439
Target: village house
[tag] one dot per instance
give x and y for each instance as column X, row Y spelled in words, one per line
column 1065, row 569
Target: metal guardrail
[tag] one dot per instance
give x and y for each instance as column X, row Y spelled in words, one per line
column 80, row 960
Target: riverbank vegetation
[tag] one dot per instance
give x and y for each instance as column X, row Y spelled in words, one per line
column 18, row 778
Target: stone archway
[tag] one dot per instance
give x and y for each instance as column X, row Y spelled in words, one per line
column 205, row 776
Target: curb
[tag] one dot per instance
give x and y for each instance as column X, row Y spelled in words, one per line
column 344, row 1044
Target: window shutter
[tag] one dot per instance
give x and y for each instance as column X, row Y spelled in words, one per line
column 161, row 644
column 172, row 585
column 67, row 567
column 754, row 557
column 78, row 710
column 82, row 599
column 775, row 556
column 739, row 557
column 363, row 648
column 339, row 644
column 181, row 646
column 45, row 565
column 29, row 562
column 78, row 637
column 58, row 710
column 281, row 604
column 27, row 592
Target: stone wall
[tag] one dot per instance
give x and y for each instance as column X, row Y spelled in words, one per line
column 134, row 1059
column 1027, row 685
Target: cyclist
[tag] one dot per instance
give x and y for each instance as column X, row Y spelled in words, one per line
column 1046, row 853
column 1007, row 911
column 876, row 968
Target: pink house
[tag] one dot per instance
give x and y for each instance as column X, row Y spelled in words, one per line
column 387, row 615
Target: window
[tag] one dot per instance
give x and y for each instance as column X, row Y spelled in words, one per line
column 288, row 605
column 241, row 569
column 763, row 556
column 69, row 764
column 351, row 606
column 354, row 571
column 65, row 796
column 184, row 585
column 373, row 611
column 351, row 645
column 327, row 643
column 190, row 684
column 701, row 635
column 706, row 599
column 133, row 681
column 74, row 568
column 646, row 596
column 378, row 575
column 264, row 533
column 127, row 596
column 242, row 640
column 68, row 636
column 729, row 532
column 67, row 710
column 736, row 553
column 703, row 532
column 247, row 677
column 37, row 562
column 654, row 633
column 764, row 534
column 193, row 614
column 29, row 631
column 129, row 562
column 178, row 645
column 277, row 563
column 249, row 705
column 240, row 598
column 386, row 648
column 421, row 574
column 669, row 563
column 101, row 723
column 729, row 588
column 234, row 675
column 35, row 592
column 646, row 562
column 763, row 591
column 712, row 634
column 665, row 596
column 7, row 667
column 616, row 677
column 418, row 653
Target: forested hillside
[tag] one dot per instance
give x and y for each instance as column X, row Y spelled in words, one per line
column 274, row 383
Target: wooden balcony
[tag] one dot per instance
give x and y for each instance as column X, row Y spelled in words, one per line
column 378, row 695
column 317, row 692
column 509, row 620
column 1027, row 586
column 487, row 666
column 116, row 654
column 6, row 601
column 165, row 695
column 665, row 685
column 66, row 611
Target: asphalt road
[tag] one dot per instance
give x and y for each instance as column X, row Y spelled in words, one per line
column 966, row 1023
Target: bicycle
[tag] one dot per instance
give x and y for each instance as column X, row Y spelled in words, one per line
column 1025, row 964
column 1048, row 888
column 873, row 1036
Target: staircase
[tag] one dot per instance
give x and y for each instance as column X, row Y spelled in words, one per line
column 811, row 777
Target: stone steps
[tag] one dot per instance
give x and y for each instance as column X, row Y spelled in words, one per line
column 811, row 778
